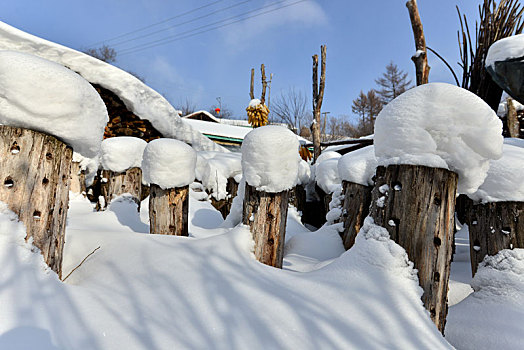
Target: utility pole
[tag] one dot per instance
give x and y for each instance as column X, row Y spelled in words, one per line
column 269, row 89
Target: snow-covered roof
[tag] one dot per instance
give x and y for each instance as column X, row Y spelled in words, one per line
column 138, row 97
column 209, row 115
column 217, row 129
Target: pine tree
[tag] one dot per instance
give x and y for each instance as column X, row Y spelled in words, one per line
column 393, row 82
column 367, row 107
column 359, row 106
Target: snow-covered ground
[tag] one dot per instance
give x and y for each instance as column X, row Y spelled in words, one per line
column 206, row 291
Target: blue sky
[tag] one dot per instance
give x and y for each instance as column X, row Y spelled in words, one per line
column 361, row 38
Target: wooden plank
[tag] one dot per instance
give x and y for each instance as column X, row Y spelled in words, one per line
column 35, row 169
column 416, row 204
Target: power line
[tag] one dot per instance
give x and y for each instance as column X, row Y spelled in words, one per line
column 181, row 36
column 180, row 24
column 155, row 24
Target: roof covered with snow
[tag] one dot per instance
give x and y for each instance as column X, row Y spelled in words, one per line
column 138, row 97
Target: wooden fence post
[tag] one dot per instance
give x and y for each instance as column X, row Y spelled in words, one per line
column 35, row 169
column 224, row 205
column 416, row 204
column 114, row 184
column 492, row 228
column 266, row 214
column 168, row 210
column 355, row 208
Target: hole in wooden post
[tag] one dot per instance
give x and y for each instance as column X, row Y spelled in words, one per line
column 37, row 214
column 436, row 277
column 351, row 195
column 433, row 312
column 397, row 186
column 476, row 245
column 8, row 182
column 45, row 181
column 437, row 241
column 506, row 230
column 48, row 156
column 15, row 148
column 64, row 177
column 60, row 211
column 437, row 200
column 271, row 241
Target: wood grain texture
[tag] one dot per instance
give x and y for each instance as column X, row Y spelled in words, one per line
column 114, row 184
column 355, row 208
column 168, row 210
column 35, row 169
column 266, row 214
column 492, row 228
column 417, row 208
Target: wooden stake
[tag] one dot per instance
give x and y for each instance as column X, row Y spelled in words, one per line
column 35, row 169
column 114, row 184
column 266, row 214
column 492, row 228
column 318, row 96
column 252, row 85
column 355, row 208
column 421, row 57
column 224, row 205
column 416, row 204
column 264, row 84
column 168, row 210
column 512, row 119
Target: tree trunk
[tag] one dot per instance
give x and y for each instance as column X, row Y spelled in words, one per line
column 512, row 120
column 36, row 169
column 318, row 96
column 492, row 228
column 168, row 210
column 421, row 57
column 416, row 204
column 357, row 199
column 224, row 205
column 114, row 184
column 266, row 214
column 77, row 178
column 252, row 84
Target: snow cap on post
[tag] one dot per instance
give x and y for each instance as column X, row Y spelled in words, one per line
column 121, row 153
column 504, row 181
column 441, row 126
column 270, row 159
column 44, row 96
column 168, row 163
column 358, row 166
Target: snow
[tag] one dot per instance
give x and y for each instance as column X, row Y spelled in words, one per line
column 41, row 95
column 214, row 168
column 168, row 163
column 304, row 173
column 254, row 102
column 358, row 166
column 491, row 317
column 326, row 175
column 504, row 49
column 443, row 126
column 88, row 165
column 121, row 153
column 217, row 129
column 504, row 180
column 138, row 97
column 270, row 159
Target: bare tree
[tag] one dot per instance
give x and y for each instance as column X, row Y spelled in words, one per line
column 187, row 107
column 103, row 53
column 290, row 107
column 225, row 112
column 392, row 83
column 367, row 107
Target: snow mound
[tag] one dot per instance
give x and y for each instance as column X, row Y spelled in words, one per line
column 41, row 95
column 358, row 166
column 88, row 165
column 121, row 153
column 504, row 180
column 270, row 159
column 491, row 317
column 254, row 102
column 442, row 126
column 304, row 173
column 138, row 97
column 214, row 168
column 168, row 163
column 504, row 49
column 327, row 155
column 326, row 175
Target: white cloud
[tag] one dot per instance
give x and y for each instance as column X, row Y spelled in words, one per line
column 303, row 14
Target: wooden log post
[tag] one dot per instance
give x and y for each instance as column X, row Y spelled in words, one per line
column 492, row 228
column 421, row 56
column 168, row 210
column 77, row 178
column 224, row 205
column 416, row 204
column 355, row 208
column 318, row 97
column 114, row 184
column 297, row 197
column 35, row 169
column 266, row 214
